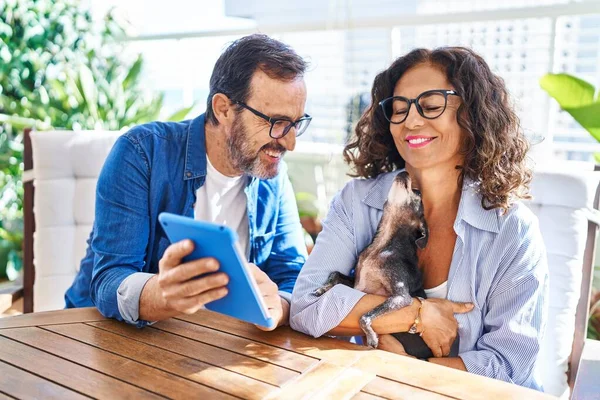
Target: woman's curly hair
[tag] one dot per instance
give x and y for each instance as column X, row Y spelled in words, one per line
column 494, row 146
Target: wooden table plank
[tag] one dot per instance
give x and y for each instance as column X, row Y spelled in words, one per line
column 121, row 368
column 311, row 384
column 272, row 354
column 24, row 385
column 66, row 373
column 346, row 385
column 389, row 389
column 218, row 378
column 231, row 361
column 442, row 380
column 324, row 348
column 52, row 317
column 365, row 396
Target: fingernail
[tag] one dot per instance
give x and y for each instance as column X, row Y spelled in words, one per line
column 187, row 245
column 470, row 305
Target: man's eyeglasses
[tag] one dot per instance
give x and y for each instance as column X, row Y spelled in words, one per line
column 280, row 126
column 430, row 105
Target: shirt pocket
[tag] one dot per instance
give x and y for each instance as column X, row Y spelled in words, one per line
column 263, row 244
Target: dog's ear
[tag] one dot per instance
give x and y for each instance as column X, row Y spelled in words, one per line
column 423, row 229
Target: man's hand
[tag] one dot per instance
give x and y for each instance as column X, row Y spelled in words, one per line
column 180, row 292
column 277, row 306
column 439, row 327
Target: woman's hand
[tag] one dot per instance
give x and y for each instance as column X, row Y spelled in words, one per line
column 438, row 327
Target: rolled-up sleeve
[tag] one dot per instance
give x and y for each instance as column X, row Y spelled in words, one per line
column 128, row 297
column 515, row 318
column 121, row 226
column 335, row 250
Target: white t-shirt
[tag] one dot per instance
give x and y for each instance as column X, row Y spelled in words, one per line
column 222, row 200
column 438, row 292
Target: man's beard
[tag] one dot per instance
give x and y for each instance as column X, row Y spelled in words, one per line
column 247, row 160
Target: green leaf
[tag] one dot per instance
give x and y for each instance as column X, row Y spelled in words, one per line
column 15, row 264
column 58, row 89
column 567, row 90
column 72, row 86
column 588, row 117
column 180, row 115
column 90, row 92
column 21, row 123
column 133, row 73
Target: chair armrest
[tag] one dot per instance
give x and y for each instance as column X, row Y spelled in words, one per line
column 587, row 384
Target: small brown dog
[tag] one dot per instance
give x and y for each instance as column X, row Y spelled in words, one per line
column 389, row 266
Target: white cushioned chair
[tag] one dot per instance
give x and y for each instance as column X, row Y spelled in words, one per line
column 65, row 170
column 566, row 204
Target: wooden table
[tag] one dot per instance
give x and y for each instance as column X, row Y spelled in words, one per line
column 71, row 354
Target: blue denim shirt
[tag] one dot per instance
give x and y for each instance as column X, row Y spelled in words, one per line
column 159, row 167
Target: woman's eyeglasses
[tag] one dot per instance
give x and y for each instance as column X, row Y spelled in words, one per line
column 430, row 105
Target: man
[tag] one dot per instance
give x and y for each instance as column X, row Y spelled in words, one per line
column 225, row 167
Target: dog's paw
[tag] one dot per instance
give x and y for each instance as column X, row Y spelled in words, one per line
column 320, row 291
column 372, row 341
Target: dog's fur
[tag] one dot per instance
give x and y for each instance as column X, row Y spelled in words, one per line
column 389, row 265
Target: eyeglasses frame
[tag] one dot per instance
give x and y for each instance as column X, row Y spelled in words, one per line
column 273, row 121
column 410, row 102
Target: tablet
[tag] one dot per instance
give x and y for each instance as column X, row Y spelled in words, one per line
column 243, row 300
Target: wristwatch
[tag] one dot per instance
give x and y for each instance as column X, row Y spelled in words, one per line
column 413, row 329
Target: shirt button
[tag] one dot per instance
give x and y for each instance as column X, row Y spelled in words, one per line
column 188, row 174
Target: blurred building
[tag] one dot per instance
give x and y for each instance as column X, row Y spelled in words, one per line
column 349, row 41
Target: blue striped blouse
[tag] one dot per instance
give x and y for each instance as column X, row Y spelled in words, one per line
column 499, row 264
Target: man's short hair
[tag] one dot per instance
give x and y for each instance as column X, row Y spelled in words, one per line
column 234, row 69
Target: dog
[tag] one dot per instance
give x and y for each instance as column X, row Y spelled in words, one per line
column 389, row 266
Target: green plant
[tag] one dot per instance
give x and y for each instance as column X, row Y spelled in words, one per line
column 308, row 206
column 11, row 205
column 62, row 69
column 577, row 97
column 59, row 68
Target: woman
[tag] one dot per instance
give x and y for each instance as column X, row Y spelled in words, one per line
column 446, row 118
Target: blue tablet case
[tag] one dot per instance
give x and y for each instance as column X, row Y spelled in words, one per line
column 243, row 301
